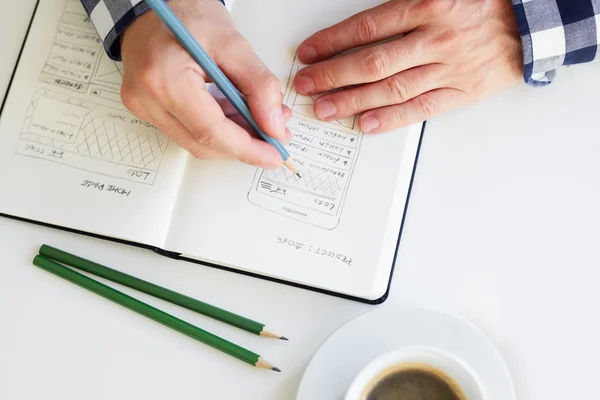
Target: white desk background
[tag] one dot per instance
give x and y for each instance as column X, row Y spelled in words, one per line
column 503, row 229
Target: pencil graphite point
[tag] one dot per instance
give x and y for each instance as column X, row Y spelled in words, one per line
column 298, row 175
column 273, row 335
column 262, row 363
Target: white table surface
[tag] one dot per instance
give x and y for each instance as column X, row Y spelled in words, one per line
column 502, row 229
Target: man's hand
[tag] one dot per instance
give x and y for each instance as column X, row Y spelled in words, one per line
column 162, row 84
column 439, row 55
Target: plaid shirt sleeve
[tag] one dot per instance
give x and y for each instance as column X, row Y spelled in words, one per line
column 111, row 17
column 556, row 33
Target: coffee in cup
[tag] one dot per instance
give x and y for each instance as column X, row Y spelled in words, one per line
column 413, row 381
column 415, row 373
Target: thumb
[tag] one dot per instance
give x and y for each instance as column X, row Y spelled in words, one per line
column 257, row 83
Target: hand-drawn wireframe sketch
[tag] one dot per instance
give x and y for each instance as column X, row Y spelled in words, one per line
column 325, row 153
column 76, row 117
column 108, row 71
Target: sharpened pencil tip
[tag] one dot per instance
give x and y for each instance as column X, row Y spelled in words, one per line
column 276, row 369
column 283, row 338
column 298, row 175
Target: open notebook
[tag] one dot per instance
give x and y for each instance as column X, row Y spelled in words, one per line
column 73, row 157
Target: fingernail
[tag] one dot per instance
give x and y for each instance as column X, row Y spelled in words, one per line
column 307, row 54
column 304, row 84
column 325, row 109
column 369, row 124
column 277, row 116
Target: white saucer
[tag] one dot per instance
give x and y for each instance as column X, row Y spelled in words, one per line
column 339, row 359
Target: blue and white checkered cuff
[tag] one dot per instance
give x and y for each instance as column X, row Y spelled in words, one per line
column 556, row 33
column 111, row 17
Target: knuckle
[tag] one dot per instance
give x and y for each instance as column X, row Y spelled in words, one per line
column 329, row 78
column 268, row 82
column 433, row 7
column 408, row 51
column 329, row 42
column 398, row 90
column 375, row 64
column 191, row 74
column 204, row 139
column 149, row 80
column 448, row 39
column 131, row 99
column 201, row 153
column 427, row 106
column 366, row 29
column 352, row 102
column 172, row 97
column 398, row 118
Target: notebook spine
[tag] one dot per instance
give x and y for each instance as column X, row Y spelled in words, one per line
column 170, row 254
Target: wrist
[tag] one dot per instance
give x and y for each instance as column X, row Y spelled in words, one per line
column 139, row 12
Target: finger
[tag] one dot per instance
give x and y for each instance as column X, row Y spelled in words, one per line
column 238, row 119
column 416, row 110
column 170, row 126
column 361, row 29
column 261, row 88
column 367, row 65
column 287, row 113
column 231, row 113
column 226, row 106
column 229, row 109
column 287, row 138
column 396, row 89
column 198, row 111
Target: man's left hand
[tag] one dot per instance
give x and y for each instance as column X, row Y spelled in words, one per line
column 425, row 57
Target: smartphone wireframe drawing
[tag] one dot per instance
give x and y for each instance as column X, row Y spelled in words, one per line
column 325, row 153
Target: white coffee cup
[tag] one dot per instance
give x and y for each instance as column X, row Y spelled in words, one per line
column 447, row 363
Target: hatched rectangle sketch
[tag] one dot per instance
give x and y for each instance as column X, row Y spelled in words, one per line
column 108, row 71
column 76, row 117
column 325, row 153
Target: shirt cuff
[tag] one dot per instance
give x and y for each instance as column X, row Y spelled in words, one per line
column 112, row 17
column 556, row 33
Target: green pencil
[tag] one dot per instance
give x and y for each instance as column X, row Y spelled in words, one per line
column 153, row 313
column 157, row 291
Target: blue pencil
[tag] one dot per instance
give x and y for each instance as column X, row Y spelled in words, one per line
column 214, row 72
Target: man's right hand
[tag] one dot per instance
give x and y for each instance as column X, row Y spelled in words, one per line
column 163, row 85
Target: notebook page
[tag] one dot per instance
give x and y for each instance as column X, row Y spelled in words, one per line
column 336, row 227
column 70, row 152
